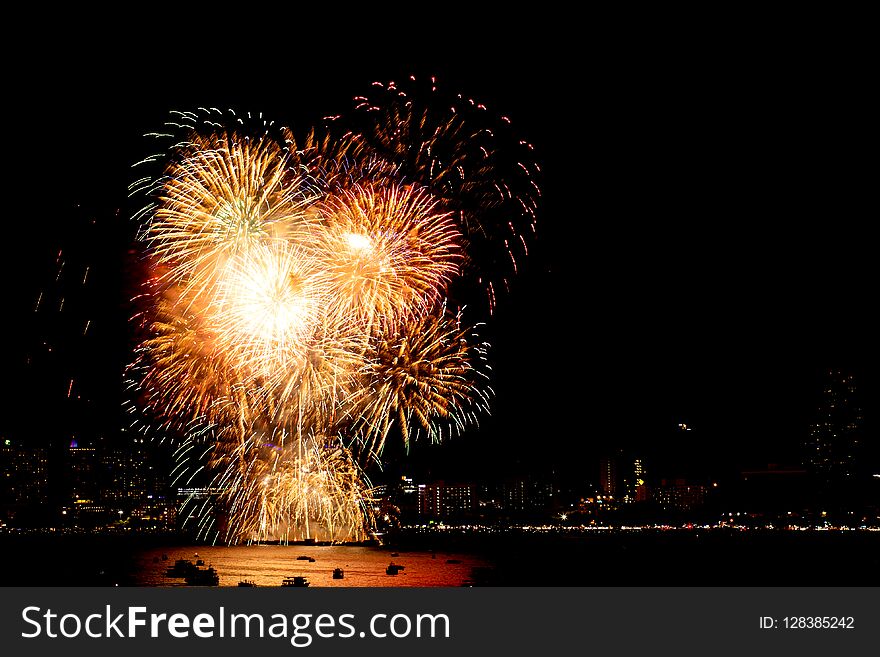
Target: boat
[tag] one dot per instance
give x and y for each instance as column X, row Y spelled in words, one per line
column 200, row 562
column 247, row 583
column 393, row 568
column 303, row 557
column 395, row 554
column 311, row 560
column 338, row 573
column 295, row 581
column 206, row 577
column 181, row 568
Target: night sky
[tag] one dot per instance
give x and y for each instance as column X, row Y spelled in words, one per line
column 703, row 251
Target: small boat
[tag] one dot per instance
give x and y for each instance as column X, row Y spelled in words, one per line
column 393, row 568
column 395, row 554
column 181, row 568
column 311, row 560
column 199, row 577
column 295, row 581
column 338, row 573
column 303, row 557
column 247, row 583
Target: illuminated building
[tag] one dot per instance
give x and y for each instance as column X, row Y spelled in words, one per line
column 608, row 475
column 623, row 478
column 526, row 495
column 155, row 514
column 639, row 488
column 407, row 486
column 679, row 495
column 82, row 478
column 443, row 500
column 23, row 479
column 834, row 438
column 125, row 473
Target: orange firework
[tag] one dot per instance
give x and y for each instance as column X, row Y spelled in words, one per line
column 389, row 254
column 430, row 376
column 298, row 305
column 220, row 196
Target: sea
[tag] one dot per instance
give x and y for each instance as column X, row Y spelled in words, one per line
column 268, row 565
column 460, row 558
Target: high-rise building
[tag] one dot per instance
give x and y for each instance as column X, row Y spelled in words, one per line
column 23, row 480
column 833, row 443
column 83, row 474
column 129, row 472
column 444, row 500
column 608, row 475
column 638, row 487
column 679, row 495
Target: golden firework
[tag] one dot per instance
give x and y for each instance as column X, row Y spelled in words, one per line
column 388, row 253
column 432, row 375
column 298, row 311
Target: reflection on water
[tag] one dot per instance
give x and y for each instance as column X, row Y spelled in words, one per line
column 267, row 565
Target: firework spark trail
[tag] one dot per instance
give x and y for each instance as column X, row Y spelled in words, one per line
column 388, row 252
column 296, row 489
column 268, row 305
column 225, row 195
column 467, row 156
column 295, row 313
column 433, row 369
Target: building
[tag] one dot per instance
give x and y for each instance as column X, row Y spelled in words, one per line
column 833, row 443
column 608, row 475
column 679, row 495
column 124, row 471
column 623, row 478
column 446, row 500
column 82, row 484
column 638, row 489
column 24, row 481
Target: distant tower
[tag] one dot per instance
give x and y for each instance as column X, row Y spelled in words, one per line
column 640, row 487
column 608, row 475
column 834, row 438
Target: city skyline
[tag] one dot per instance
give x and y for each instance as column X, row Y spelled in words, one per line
column 87, row 484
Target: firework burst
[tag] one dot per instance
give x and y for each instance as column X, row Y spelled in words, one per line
column 268, row 304
column 470, row 160
column 431, row 376
column 388, row 253
column 297, row 308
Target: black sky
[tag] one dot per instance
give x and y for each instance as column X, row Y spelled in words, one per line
column 704, row 251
